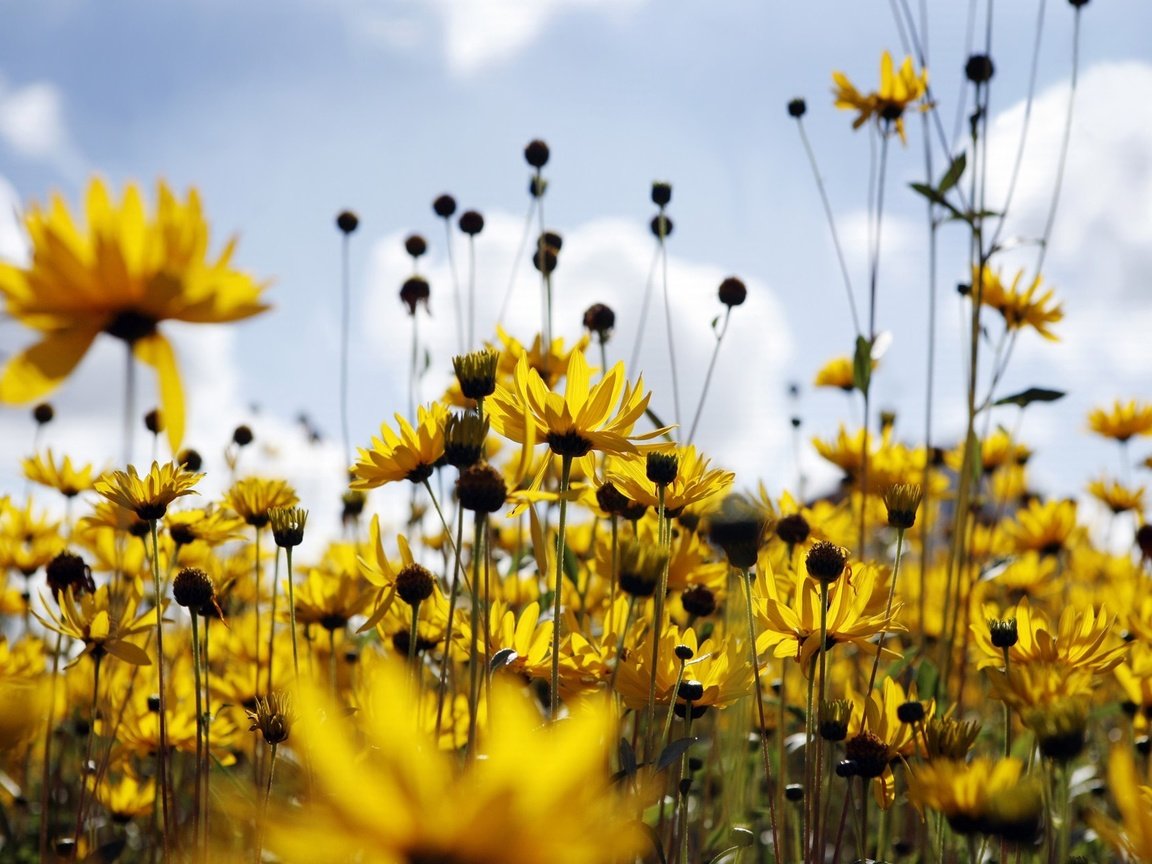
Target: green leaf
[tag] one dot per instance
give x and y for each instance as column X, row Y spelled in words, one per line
column 742, row 837
column 953, row 174
column 927, row 678
column 627, row 758
column 862, row 365
column 936, row 198
column 1033, row 394
column 674, row 751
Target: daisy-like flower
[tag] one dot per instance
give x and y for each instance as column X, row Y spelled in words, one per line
column 409, row 455
column 694, row 481
column 1123, row 421
column 1020, row 307
column 898, row 90
column 148, row 496
column 104, row 622
column 789, row 615
column 67, row 479
column 584, row 419
column 877, row 736
column 983, row 796
column 1044, row 527
column 254, row 498
column 720, row 670
column 122, row 273
column 1083, row 639
column 128, row 798
column 1116, row 496
column 839, row 373
column 549, row 361
column 1130, row 837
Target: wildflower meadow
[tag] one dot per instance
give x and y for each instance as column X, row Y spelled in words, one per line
column 550, row 623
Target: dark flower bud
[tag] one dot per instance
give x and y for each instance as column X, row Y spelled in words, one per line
column 537, row 186
column 347, row 221
column 910, row 712
column 43, row 413
column 683, row 653
column 69, row 571
column 738, row 528
column 794, row 792
column 476, row 373
column 414, row 584
column 661, row 193
column 154, row 703
column 536, row 153
column 464, row 436
column 690, row 691
column 444, row 206
column 611, row 500
column 242, row 435
column 193, row 588
column 545, row 259
column 599, row 319
column 481, row 489
column 1144, row 541
column 1078, row 3
column 979, row 68
column 661, row 468
column 661, row 226
column 732, row 292
column 698, row 600
column 415, row 291
column 797, row 108
column 1003, row 632
column 154, row 421
column 415, row 245
column 190, row 459
column 288, row 525
column 825, row 562
column 847, row 768
column 352, row 505
column 471, row 223
column 832, row 719
column 869, row 753
column 793, row 529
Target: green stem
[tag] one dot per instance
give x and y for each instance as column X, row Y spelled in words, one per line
column 558, row 584
column 197, row 801
column 887, row 613
column 162, row 752
column 292, row 615
column 474, row 649
column 657, row 632
column 453, row 592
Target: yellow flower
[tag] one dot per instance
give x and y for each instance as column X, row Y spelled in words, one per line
column 695, row 480
column 977, row 797
column 1019, row 307
column 1083, row 639
column 898, row 90
column 585, row 418
column 838, row 372
column 1044, row 527
column 550, row 362
column 877, row 737
column 210, row 525
column 253, row 499
column 442, row 809
column 1131, row 837
column 128, row 798
column 409, row 455
column 103, row 622
column 148, row 496
column 121, row 274
column 1116, row 496
column 1123, row 421
column 720, row 668
column 69, row 480
column 789, row 619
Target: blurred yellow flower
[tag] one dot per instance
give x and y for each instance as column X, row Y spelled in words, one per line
column 67, row 479
column 898, row 90
column 122, row 273
column 1123, row 421
column 1019, row 307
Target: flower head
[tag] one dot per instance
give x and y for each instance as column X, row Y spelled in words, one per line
column 1123, row 421
column 121, row 274
column 1019, row 307
column 409, row 454
column 898, row 90
column 68, row 479
column 148, row 496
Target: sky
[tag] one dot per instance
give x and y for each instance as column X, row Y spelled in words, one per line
column 284, row 112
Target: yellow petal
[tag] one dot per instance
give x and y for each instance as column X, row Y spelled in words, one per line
column 39, row 370
column 157, row 352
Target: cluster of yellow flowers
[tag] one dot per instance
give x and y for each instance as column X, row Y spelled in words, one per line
column 570, row 660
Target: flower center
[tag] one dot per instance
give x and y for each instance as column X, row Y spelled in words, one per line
column 569, row 444
column 131, row 326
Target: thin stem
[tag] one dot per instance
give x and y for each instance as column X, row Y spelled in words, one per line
column 557, row 585
column 474, row 650
column 668, row 314
column 292, row 614
column 412, row 637
column 831, row 225
column 545, row 281
column 162, row 752
column 656, row 633
column 746, row 578
column 345, row 318
column 457, row 302
column 1065, row 139
column 708, row 374
column 453, row 592
column 197, row 800
column 887, row 614
column 471, row 291
column 272, row 619
column 817, row 835
column 264, row 805
column 129, row 404
column 97, row 656
column 46, row 774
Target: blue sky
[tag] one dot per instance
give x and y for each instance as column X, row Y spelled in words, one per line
column 283, row 113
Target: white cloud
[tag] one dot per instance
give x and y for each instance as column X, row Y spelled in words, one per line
column 473, row 34
column 32, row 125
column 607, row 261
column 13, row 244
